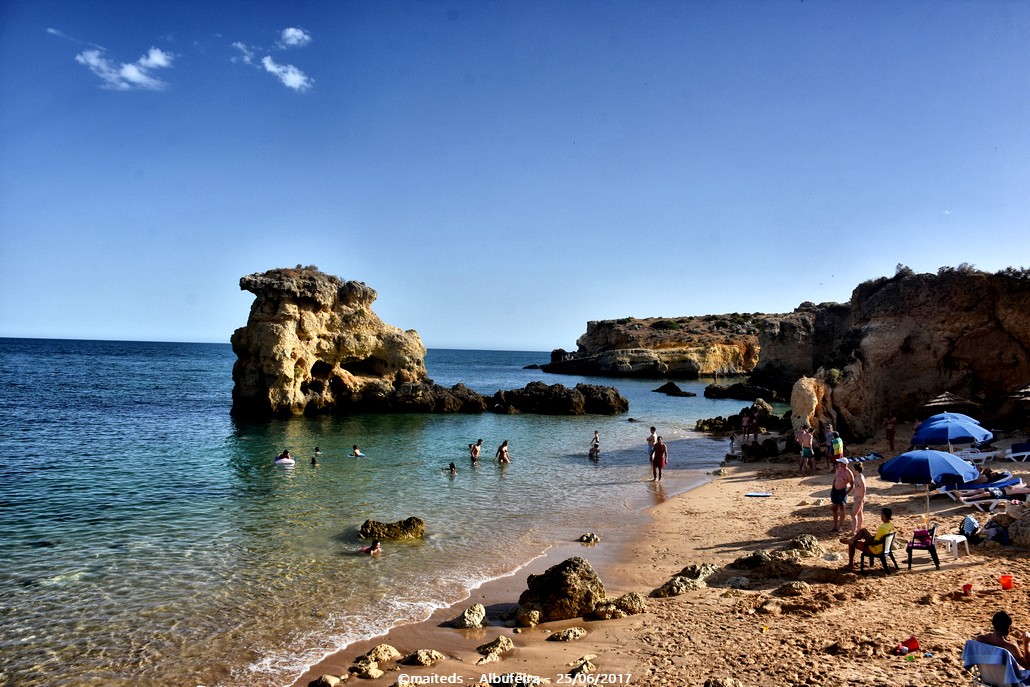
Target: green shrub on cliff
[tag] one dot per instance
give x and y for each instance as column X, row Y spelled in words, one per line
column 834, row 377
column 665, row 324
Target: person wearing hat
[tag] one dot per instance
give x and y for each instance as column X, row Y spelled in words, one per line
column 843, row 483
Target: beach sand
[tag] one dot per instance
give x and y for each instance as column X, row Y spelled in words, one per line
column 841, row 631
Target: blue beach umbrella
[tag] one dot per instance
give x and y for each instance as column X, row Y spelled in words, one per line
column 952, row 416
column 927, row 467
column 949, row 431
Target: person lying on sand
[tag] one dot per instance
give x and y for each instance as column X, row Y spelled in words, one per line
column 1002, row 623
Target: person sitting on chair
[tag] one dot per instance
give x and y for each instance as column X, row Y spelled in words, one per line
column 868, row 542
column 1002, row 623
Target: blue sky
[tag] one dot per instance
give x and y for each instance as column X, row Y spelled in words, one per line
column 501, row 172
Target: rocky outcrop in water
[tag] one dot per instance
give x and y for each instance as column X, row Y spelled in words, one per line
column 313, row 345
column 412, row 528
column 684, row 347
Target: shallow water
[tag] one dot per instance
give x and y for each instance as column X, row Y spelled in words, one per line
column 156, row 543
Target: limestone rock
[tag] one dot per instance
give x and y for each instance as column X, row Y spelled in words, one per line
column 584, row 668
column 568, row 634
column 412, row 528
column 671, row 389
column 752, row 561
column 382, row 653
column 589, row 538
column 570, row 589
column 628, row 604
column 471, row 617
column 499, row 646
column 366, row 669
column 902, row 341
column 423, row 657
column 738, row 582
column 794, row 589
column 325, row 681
column 312, row 345
column 556, row 399
column 678, row 585
column 656, row 347
column 699, row 572
column 528, row 617
column 723, row 682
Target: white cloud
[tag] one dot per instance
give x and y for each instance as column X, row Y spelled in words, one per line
column 294, row 38
column 288, row 74
column 247, row 56
column 127, row 76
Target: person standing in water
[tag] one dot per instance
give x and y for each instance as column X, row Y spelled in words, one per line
column 651, row 438
column 475, row 449
column 595, row 447
column 357, row 453
column 659, row 459
column 502, row 453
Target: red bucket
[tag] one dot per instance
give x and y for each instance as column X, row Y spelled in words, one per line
column 967, row 589
column 1007, row 581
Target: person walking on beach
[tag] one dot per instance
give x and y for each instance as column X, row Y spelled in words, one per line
column 858, row 498
column 807, row 461
column 475, row 449
column 891, row 423
column 651, row 438
column 868, row 542
column 659, row 459
column 843, row 483
column 502, row 453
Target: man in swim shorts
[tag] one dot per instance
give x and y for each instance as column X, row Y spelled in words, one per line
column 807, row 461
column 843, row 483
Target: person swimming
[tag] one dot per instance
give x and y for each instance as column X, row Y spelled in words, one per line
column 453, row 469
column 357, row 453
column 375, row 549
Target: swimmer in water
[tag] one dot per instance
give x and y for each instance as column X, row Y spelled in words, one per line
column 374, row 550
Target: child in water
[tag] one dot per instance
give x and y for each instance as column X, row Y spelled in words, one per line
column 374, row 550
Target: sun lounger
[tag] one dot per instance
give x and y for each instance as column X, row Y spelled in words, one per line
column 955, row 491
column 986, row 504
column 1019, row 453
column 976, row 456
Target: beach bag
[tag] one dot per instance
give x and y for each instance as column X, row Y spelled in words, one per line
column 838, row 447
column 971, row 528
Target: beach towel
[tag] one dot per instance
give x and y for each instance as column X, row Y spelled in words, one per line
column 979, row 653
column 838, row 447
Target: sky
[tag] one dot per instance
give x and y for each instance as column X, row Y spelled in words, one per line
column 499, row 171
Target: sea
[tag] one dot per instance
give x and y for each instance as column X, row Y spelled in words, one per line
column 151, row 540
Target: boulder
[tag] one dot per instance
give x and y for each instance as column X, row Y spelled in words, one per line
column 678, row 585
column 568, row 634
column 557, row 399
column 423, row 657
column 671, row 389
column 752, row 561
column 738, row 582
column 699, row 572
column 471, row 617
column 795, row 588
column 570, row 589
column 325, row 681
column 381, row 653
column 501, row 645
column 626, row 605
column 412, row 528
column 366, row 669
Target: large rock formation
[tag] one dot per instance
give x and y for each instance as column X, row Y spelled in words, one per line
column 570, row 589
column 906, row 339
column 684, row 347
column 313, row 345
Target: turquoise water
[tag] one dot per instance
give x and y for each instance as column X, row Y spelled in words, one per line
column 156, row 542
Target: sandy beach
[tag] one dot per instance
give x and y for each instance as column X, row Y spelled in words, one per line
column 843, row 629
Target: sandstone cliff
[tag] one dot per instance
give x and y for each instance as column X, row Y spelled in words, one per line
column 903, row 341
column 684, row 347
column 313, row 345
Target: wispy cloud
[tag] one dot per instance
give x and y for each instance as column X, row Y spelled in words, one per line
column 294, row 38
column 290, row 76
column 127, row 76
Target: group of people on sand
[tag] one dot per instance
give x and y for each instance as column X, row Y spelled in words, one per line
column 834, row 448
column 848, row 482
column 501, row 455
column 657, row 454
